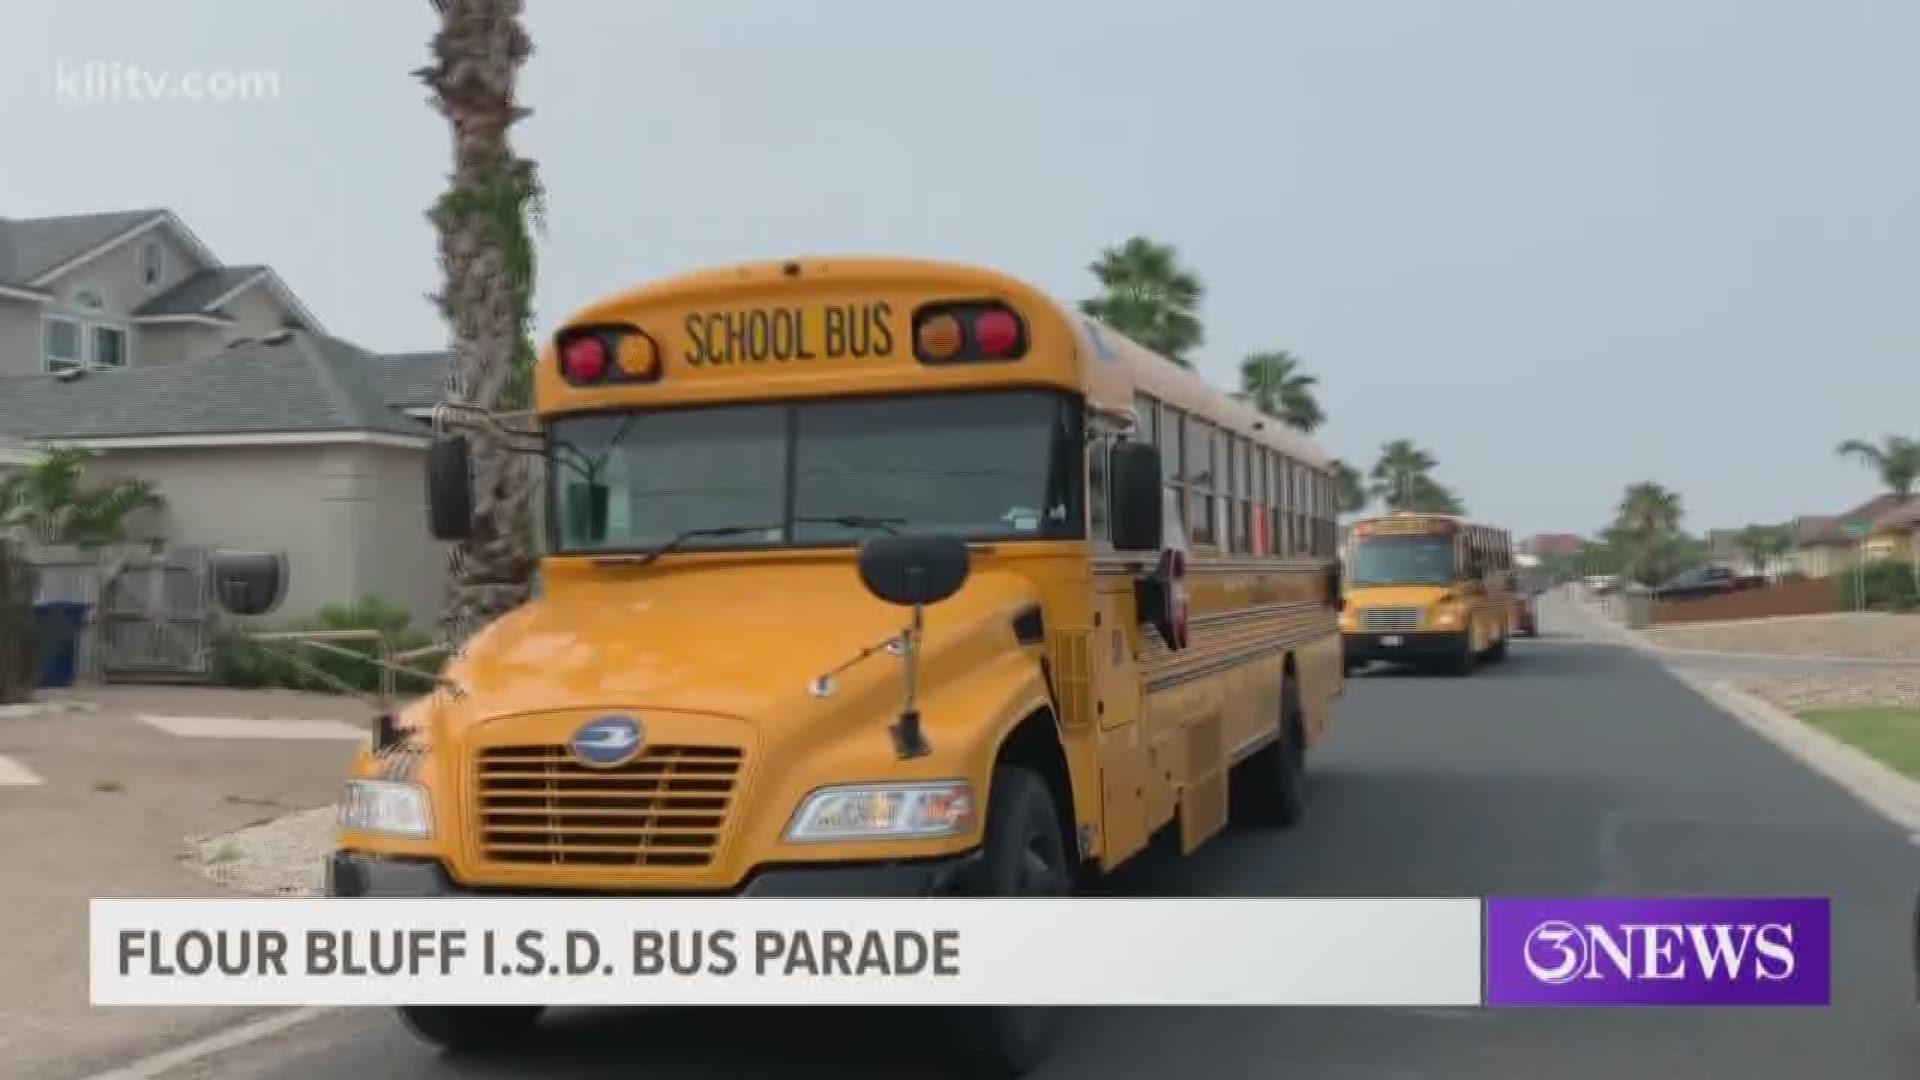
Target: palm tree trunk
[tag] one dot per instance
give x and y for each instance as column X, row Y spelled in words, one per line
column 477, row 56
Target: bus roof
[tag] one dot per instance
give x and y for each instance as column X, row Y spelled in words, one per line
column 1107, row 365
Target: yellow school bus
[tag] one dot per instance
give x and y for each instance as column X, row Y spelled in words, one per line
column 1428, row 589
column 864, row 577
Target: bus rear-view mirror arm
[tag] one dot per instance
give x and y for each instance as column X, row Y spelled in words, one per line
column 912, row 572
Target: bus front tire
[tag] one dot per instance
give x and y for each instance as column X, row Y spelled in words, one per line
column 1270, row 788
column 466, row 1028
column 1025, row 855
column 1497, row 652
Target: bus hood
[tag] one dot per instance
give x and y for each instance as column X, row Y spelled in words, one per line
column 741, row 641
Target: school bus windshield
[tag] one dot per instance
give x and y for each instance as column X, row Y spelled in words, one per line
column 1403, row 560
column 982, row 466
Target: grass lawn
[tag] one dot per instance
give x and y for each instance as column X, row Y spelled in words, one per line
column 1889, row 733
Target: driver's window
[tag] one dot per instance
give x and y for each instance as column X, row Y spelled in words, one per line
column 1097, row 450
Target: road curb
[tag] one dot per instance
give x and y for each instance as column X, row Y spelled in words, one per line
column 1880, row 787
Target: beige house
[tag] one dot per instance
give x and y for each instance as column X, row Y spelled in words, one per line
column 299, row 443
column 121, row 332
column 1826, row 547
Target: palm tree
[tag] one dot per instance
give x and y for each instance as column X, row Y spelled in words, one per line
column 1429, row 496
column 1648, row 508
column 1274, row 383
column 1646, row 530
column 49, row 501
column 1896, row 459
column 1350, row 488
column 1764, row 543
column 1397, row 474
column 487, row 255
column 1146, row 295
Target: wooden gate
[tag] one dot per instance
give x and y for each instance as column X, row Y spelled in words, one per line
column 152, row 614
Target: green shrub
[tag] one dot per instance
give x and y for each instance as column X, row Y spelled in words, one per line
column 1888, row 584
column 239, row 661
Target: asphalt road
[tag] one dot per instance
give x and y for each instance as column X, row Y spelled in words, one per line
column 1574, row 768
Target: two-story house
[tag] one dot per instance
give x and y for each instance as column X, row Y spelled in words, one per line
column 124, row 289
column 123, row 334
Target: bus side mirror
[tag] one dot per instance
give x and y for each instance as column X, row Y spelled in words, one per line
column 1134, row 499
column 450, row 488
column 911, row 571
column 249, row 583
column 1336, row 585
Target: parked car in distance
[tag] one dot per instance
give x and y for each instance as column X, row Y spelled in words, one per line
column 1602, row 584
column 1705, row 581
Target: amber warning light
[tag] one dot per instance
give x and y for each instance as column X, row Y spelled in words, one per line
column 958, row 333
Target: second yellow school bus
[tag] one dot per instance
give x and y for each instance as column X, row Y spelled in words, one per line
column 1128, row 582
column 1429, row 589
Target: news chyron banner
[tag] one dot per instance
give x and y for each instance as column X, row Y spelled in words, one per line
column 495, row 951
column 1277, row 952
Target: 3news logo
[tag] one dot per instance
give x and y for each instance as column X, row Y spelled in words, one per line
column 1634, row 951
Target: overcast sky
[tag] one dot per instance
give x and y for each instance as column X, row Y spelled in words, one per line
column 1563, row 244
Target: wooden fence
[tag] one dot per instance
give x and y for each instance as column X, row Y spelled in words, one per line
column 1808, row 596
column 151, row 612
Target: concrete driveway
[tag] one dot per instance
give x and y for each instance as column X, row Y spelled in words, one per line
column 100, row 804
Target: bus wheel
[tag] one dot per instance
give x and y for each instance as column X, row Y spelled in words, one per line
column 1461, row 662
column 1270, row 788
column 461, row 1028
column 1498, row 651
column 1025, row 855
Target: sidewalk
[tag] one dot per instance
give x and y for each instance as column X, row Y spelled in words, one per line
column 117, row 790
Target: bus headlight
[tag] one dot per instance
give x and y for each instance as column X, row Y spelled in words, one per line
column 884, row 812
column 1446, row 615
column 387, row 807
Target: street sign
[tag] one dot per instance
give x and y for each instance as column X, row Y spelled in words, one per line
column 1856, row 528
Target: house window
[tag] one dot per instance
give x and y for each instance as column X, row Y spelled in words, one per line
column 109, row 346
column 150, row 265
column 87, row 298
column 60, row 344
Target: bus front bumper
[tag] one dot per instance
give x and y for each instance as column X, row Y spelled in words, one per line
column 1412, row 648
column 353, row 874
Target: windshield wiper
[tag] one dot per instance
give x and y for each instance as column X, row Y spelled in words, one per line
column 855, row 521
column 850, row 521
column 648, row 556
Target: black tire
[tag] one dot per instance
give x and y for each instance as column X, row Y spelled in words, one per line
column 1025, row 855
column 1269, row 789
column 466, row 1028
column 1497, row 651
column 1462, row 660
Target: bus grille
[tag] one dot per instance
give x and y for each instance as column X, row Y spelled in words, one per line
column 667, row 807
column 1390, row 618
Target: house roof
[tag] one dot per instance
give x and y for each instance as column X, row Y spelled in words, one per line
column 198, row 293
column 292, row 382
column 1904, row 517
column 1831, row 530
column 411, row 380
column 29, row 247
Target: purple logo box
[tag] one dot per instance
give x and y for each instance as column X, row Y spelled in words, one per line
column 1651, row 951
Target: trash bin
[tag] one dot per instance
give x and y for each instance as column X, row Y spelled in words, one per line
column 58, row 627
